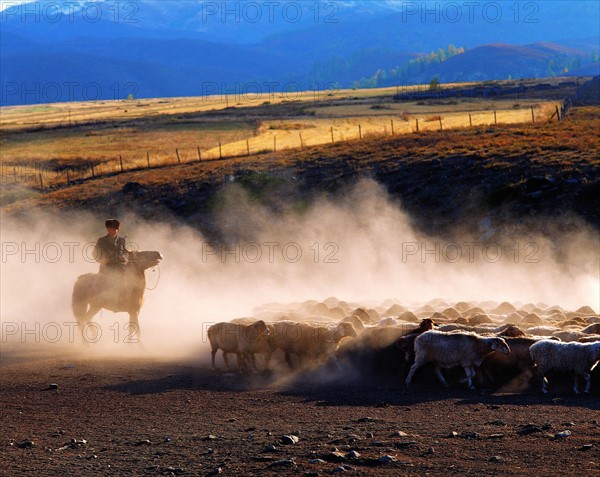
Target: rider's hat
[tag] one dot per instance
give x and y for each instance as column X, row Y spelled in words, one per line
column 112, row 224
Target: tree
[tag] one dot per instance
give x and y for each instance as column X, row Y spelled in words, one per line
column 434, row 84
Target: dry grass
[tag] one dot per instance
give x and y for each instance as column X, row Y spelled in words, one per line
column 67, row 147
column 18, row 117
column 63, row 154
column 290, row 134
column 569, row 146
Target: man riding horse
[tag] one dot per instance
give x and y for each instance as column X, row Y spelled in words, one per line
column 111, row 254
column 120, row 285
column 110, row 251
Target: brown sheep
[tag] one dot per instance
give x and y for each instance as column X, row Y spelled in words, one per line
column 309, row 340
column 593, row 329
column 235, row 338
column 496, row 364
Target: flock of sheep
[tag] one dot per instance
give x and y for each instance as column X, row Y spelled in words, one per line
column 489, row 341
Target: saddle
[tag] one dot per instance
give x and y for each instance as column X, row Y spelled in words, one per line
column 109, row 284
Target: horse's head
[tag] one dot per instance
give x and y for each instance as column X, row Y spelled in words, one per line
column 145, row 260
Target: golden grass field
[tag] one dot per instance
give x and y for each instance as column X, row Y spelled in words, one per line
column 18, row 117
column 51, row 145
column 343, row 123
column 500, row 151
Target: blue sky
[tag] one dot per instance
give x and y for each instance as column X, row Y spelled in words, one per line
column 7, row 3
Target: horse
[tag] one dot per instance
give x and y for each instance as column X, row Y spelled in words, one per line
column 117, row 291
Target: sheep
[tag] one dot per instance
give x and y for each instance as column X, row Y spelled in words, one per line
column 589, row 339
column 355, row 320
column 264, row 344
column 306, row 340
column 518, row 358
column 578, row 358
column 593, row 329
column 388, row 322
column 569, row 335
column 390, row 349
column 447, row 350
column 509, row 331
column 531, row 319
column 406, row 343
column 542, row 330
column 238, row 338
column 455, row 327
column 579, row 322
column 471, row 328
column 373, row 351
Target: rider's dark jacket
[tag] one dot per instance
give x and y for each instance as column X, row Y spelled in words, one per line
column 110, row 252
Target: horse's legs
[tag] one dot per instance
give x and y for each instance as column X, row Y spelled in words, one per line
column 226, row 359
column 85, row 321
column 213, row 353
column 134, row 334
column 268, row 361
column 241, row 362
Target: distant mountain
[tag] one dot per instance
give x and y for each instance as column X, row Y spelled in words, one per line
column 592, row 69
column 501, row 61
column 174, row 48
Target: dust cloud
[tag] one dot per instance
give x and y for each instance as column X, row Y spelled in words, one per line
column 361, row 249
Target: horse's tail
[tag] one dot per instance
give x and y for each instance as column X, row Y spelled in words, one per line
column 81, row 295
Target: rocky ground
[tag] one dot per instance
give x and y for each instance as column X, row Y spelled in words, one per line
column 67, row 415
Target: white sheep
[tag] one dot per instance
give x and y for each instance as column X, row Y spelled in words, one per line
column 309, row 340
column 447, row 350
column 239, row 338
column 578, row 358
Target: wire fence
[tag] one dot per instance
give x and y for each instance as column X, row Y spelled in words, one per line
column 39, row 175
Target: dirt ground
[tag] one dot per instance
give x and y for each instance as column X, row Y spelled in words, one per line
column 130, row 416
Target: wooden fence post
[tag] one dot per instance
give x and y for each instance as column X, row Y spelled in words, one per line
column 274, row 143
column 247, row 147
column 392, row 121
column 359, row 131
column 301, row 142
column 121, row 162
column 148, row 158
column 332, row 134
column 199, row 153
column 220, row 151
column 470, row 121
column 495, row 118
column 417, row 120
column 440, row 120
column 532, row 116
column 557, row 114
column 68, row 178
column 93, row 172
column 41, row 182
column 178, row 158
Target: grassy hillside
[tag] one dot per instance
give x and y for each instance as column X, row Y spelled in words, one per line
column 442, row 178
column 74, row 141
